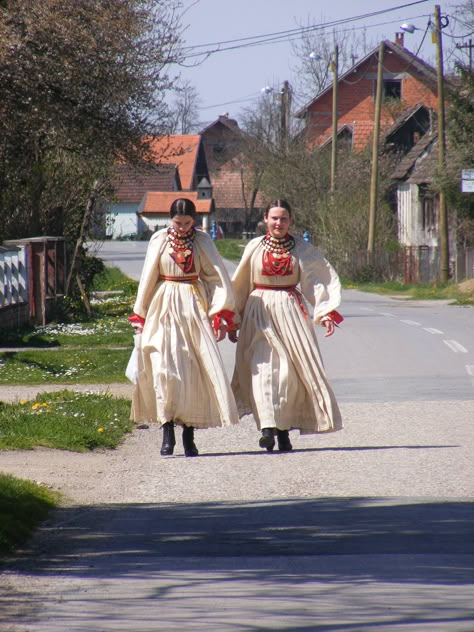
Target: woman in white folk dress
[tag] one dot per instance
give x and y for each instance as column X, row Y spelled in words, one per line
column 279, row 375
column 184, row 306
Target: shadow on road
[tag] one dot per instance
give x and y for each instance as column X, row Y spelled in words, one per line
column 134, row 540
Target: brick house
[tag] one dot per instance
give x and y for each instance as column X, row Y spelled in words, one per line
column 238, row 205
column 408, row 82
column 180, row 171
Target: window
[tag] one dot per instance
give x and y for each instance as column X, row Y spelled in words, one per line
column 428, row 213
column 392, row 89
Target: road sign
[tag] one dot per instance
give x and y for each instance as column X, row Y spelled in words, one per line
column 467, row 181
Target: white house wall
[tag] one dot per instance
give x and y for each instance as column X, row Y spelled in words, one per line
column 122, row 219
column 409, row 212
column 155, row 223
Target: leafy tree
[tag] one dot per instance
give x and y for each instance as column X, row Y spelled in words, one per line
column 81, row 85
column 460, row 141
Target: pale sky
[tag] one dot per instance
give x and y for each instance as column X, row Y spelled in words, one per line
column 229, row 80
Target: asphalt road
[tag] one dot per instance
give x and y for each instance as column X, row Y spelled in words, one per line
column 367, row 529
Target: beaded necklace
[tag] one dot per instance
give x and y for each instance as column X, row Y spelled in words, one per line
column 276, row 258
column 180, row 248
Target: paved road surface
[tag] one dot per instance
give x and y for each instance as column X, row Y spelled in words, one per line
column 367, row 529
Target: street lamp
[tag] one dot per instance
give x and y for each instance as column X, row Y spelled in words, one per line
column 439, row 23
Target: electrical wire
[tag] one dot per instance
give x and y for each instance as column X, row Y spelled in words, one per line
column 257, row 40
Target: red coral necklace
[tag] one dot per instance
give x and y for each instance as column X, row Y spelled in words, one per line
column 276, row 259
column 180, row 248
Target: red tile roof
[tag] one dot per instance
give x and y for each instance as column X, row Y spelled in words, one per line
column 160, row 202
column 131, row 184
column 181, row 150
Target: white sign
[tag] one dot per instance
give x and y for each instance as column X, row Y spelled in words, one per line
column 467, row 182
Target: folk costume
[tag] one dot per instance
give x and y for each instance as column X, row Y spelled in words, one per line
column 279, row 375
column 183, row 285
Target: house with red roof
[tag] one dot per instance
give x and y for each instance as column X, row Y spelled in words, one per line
column 143, row 195
column 408, row 82
column 238, row 204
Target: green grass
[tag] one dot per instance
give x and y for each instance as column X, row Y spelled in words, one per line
column 108, row 326
column 231, row 249
column 427, row 291
column 23, row 505
column 108, row 331
column 66, row 420
column 63, row 366
column 113, row 279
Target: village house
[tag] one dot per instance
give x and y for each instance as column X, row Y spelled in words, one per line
column 142, row 197
column 409, row 132
column 408, row 82
column 238, row 204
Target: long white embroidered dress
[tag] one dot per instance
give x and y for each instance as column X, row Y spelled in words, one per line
column 183, row 377
column 279, row 375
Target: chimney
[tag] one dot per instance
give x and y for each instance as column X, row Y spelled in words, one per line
column 399, row 39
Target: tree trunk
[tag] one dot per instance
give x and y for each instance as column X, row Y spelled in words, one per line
column 73, row 271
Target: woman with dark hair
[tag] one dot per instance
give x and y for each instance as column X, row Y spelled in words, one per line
column 279, row 375
column 184, row 306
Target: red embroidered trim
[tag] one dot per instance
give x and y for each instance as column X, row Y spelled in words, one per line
column 224, row 317
column 135, row 318
column 272, row 266
column 292, row 291
column 336, row 317
column 189, row 279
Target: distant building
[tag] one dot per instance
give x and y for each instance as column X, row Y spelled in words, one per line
column 143, row 196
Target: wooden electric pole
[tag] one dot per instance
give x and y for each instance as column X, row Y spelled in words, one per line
column 470, row 47
column 334, row 68
column 443, row 212
column 285, row 105
column 375, row 157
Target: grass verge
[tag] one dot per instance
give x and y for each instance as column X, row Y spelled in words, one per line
column 421, row 292
column 65, row 420
column 231, row 249
column 64, row 366
column 23, row 505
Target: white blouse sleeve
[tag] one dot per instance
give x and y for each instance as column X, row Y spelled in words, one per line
column 319, row 281
column 214, row 276
column 150, row 273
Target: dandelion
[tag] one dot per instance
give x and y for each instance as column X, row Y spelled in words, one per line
column 100, row 429
column 23, row 402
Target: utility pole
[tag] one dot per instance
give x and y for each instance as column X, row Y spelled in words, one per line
column 334, row 68
column 375, row 156
column 285, row 105
column 443, row 212
column 470, row 46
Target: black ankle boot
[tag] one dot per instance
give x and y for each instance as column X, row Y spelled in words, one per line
column 169, row 440
column 267, row 440
column 284, row 444
column 188, row 441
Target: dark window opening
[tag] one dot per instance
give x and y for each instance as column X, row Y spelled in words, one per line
column 428, row 213
column 392, row 89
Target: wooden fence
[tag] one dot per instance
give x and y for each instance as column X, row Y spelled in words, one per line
column 410, row 264
column 32, row 277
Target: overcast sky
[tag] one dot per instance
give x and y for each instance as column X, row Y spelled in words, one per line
column 229, row 80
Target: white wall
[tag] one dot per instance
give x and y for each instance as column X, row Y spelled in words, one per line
column 122, row 219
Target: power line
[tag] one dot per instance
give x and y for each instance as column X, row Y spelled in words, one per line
column 257, row 40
